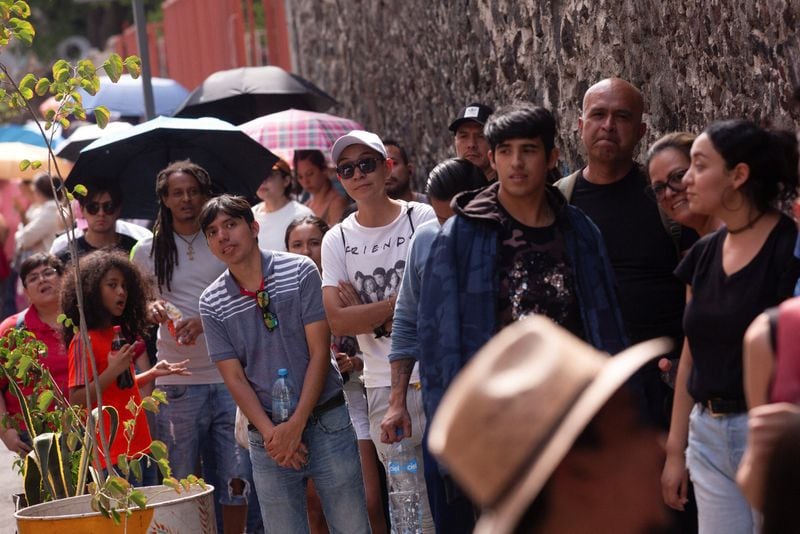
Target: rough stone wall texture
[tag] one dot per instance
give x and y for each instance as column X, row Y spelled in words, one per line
column 404, row 68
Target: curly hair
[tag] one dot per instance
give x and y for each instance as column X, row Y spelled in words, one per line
column 94, row 267
column 164, row 251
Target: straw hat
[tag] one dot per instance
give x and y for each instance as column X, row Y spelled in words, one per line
column 514, row 411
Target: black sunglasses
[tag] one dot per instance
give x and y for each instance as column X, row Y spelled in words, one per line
column 93, row 208
column 270, row 319
column 674, row 182
column 366, row 166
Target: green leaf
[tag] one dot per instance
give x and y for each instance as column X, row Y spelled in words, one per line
column 42, row 86
column 122, row 463
column 61, row 318
column 160, row 396
column 136, row 468
column 158, row 449
column 150, row 405
column 116, row 517
column 163, row 467
column 21, row 9
column 24, row 164
column 139, row 499
column 60, row 72
column 133, row 65
column 101, row 115
column 113, row 67
column 172, row 483
column 80, row 190
column 44, row 400
column 36, row 164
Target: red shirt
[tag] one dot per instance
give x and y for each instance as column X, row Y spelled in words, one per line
column 81, row 375
column 55, row 360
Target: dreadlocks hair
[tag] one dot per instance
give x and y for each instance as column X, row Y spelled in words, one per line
column 94, row 267
column 164, row 252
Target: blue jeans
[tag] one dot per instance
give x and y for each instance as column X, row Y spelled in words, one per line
column 198, row 416
column 716, row 446
column 333, row 465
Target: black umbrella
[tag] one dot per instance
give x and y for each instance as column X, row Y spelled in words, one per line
column 132, row 158
column 243, row 94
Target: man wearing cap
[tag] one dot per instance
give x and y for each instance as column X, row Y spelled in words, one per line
column 373, row 239
column 561, row 447
column 470, row 142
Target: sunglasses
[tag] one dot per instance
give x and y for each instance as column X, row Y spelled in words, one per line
column 44, row 274
column 270, row 319
column 674, row 182
column 366, row 166
column 93, row 208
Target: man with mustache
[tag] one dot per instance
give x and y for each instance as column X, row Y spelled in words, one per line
column 469, row 140
column 644, row 248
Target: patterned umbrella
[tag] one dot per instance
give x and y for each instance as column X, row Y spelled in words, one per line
column 294, row 129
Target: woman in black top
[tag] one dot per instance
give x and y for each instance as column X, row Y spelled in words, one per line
column 737, row 173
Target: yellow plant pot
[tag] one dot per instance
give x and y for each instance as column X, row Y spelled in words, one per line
column 167, row 512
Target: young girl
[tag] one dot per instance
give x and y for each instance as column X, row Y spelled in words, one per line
column 114, row 293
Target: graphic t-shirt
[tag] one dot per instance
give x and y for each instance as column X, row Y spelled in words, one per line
column 535, row 276
column 81, row 375
column 373, row 260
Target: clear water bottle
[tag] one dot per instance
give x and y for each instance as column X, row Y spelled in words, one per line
column 284, row 397
column 404, row 484
column 125, row 378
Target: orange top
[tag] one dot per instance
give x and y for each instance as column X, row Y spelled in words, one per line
column 80, row 374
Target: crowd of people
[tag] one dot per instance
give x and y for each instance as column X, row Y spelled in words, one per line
column 374, row 297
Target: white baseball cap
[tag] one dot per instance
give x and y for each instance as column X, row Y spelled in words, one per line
column 357, row 137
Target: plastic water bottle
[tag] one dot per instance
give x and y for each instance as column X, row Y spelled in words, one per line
column 124, row 379
column 284, row 397
column 404, row 484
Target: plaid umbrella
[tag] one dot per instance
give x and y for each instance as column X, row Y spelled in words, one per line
column 294, row 129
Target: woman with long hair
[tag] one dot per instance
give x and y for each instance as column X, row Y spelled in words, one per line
column 313, row 175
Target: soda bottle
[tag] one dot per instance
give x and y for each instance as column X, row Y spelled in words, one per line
column 404, row 484
column 124, row 379
column 284, row 397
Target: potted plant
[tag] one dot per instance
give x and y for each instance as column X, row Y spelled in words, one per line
column 63, row 472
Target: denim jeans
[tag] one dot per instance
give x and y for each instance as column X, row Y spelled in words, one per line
column 203, row 415
column 334, row 466
column 716, row 446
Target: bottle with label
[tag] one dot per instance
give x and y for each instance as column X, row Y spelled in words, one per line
column 404, row 483
column 125, row 378
column 284, row 397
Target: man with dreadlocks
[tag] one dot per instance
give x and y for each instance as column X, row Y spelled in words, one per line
column 199, row 419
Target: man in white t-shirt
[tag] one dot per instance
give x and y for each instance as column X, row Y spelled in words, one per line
column 362, row 262
column 199, row 419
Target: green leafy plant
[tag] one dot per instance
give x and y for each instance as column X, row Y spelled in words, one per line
column 66, row 448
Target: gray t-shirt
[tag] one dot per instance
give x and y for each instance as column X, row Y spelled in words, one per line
column 234, row 325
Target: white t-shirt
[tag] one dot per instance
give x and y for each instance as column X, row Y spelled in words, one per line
column 373, row 260
column 272, row 225
column 189, row 280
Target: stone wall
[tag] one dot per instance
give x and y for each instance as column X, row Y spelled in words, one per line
column 404, row 69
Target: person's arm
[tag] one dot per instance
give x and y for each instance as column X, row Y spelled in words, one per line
column 118, row 362
column 353, row 320
column 36, row 230
column 247, row 401
column 9, row 435
column 766, row 424
column 286, row 437
column 758, row 361
column 675, row 477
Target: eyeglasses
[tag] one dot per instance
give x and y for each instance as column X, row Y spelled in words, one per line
column 674, row 182
column 270, row 319
column 44, row 274
column 366, row 166
column 93, row 208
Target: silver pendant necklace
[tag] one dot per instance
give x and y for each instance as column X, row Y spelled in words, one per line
column 190, row 249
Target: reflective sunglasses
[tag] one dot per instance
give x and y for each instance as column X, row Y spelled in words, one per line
column 44, row 274
column 270, row 319
column 366, row 166
column 674, row 182
column 93, row 208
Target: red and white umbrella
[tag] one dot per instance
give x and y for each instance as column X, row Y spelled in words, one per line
column 286, row 131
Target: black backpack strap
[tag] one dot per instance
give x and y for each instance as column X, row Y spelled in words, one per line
column 409, row 209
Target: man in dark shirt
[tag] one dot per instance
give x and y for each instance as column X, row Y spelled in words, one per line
column 100, row 207
column 611, row 190
column 469, row 139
